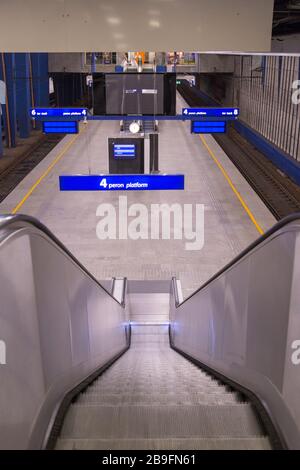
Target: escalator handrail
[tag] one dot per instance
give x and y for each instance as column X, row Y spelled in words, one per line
column 278, row 226
column 9, row 221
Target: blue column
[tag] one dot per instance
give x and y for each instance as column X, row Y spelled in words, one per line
column 7, row 70
column 40, row 79
column 23, row 93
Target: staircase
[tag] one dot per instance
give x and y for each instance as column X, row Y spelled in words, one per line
column 153, row 398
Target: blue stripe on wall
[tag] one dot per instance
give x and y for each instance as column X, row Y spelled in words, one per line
column 281, row 159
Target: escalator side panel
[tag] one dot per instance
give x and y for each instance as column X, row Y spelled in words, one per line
column 58, row 325
column 240, row 325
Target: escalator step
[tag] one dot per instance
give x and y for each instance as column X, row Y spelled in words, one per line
column 158, row 422
column 253, row 443
column 153, row 398
column 121, row 399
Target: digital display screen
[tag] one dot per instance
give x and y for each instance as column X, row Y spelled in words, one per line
column 208, row 127
column 60, row 127
column 134, row 93
column 124, row 151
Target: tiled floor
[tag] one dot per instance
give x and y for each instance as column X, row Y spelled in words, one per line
column 72, row 216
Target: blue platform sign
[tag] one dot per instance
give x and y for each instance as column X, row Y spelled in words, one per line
column 60, row 127
column 208, row 127
column 64, row 113
column 211, row 112
column 121, row 182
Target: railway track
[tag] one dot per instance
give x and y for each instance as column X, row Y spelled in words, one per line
column 279, row 193
column 13, row 175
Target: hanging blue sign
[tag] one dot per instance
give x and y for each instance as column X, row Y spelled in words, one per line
column 211, row 112
column 66, row 113
column 121, row 182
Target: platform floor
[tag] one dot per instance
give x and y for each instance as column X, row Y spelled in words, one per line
column 72, row 216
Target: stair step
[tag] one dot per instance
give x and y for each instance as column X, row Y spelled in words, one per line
column 149, row 307
column 127, row 385
column 253, row 443
column 118, row 422
column 149, row 317
column 156, row 399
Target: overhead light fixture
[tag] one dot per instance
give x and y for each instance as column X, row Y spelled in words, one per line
column 154, row 23
column 113, row 20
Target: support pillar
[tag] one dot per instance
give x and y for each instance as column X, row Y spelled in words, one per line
column 154, row 165
column 93, row 62
column 23, row 93
column 40, row 77
column 1, row 144
column 7, row 71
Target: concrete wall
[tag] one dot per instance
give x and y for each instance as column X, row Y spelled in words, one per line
column 69, row 62
column 150, row 25
column 289, row 44
column 216, row 63
column 217, row 86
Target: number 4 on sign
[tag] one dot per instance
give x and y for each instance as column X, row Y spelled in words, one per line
column 103, row 183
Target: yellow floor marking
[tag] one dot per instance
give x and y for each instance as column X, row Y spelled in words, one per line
column 35, row 185
column 236, row 192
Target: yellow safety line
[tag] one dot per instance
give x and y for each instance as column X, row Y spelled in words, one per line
column 227, row 177
column 33, row 187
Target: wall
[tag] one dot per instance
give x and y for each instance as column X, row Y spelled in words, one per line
column 69, row 62
column 217, row 86
column 289, row 43
column 262, row 87
column 263, row 90
column 214, row 63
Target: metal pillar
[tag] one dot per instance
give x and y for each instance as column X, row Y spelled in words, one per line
column 198, row 62
column 153, row 140
column 22, row 74
column 1, row 145
column 7, row 66
column 2, row 110
column 93, row 62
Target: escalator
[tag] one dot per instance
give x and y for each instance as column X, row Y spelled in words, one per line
column 130, row 365
column 153, row 398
